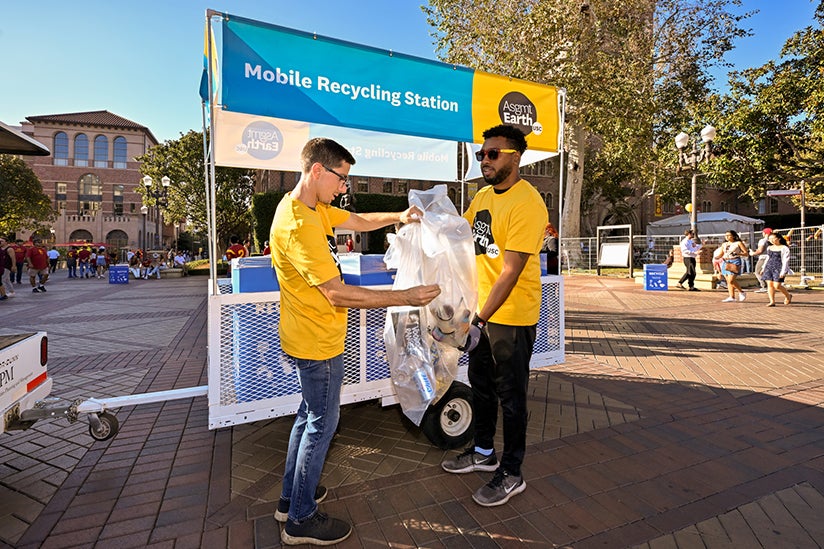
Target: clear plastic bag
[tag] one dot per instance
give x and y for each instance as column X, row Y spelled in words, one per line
column 422, row 342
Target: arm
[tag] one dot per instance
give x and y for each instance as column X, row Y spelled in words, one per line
column 370, row 221
column 785, row 261
column 514, row 263
column 342, row 295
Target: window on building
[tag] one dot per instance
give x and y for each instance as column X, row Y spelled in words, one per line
column 548, row 201
column 90, row 185
column 706, row 206
column 61, row 189
column 773, row 205
column 363, row 185
column 722, row 206
column 61, row 205
column 101, row 151
column 117, row 200
column 61, row 149
column 89, row 207
column 81, row 150
column 388, row 187
column 403, row 187
column 120, row 157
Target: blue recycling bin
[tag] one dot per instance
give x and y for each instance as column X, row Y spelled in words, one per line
column 118, row 274
column 655, row 277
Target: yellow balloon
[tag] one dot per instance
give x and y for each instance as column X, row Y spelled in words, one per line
column 688, row 207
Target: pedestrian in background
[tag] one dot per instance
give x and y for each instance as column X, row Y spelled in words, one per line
column 761, row 252
column 776, row 268
column 54, row 256
column 10, row 264
column 690, row 247
column 733, row 250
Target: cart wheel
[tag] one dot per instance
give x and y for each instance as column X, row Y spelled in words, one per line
column 107, row 427
column 449, row 423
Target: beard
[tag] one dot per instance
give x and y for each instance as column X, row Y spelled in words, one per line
column 499, row 176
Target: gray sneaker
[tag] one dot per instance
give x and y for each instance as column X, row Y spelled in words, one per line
column 498, row 490
column 320, row 529
column 282, row 512
column 470, row 460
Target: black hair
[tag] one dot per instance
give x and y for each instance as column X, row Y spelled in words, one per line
column 234, row 239
column 512, row 134
column 734, row 235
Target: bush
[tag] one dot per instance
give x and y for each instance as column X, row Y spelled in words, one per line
column 200, row 267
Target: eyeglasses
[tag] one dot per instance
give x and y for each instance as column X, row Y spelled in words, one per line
column 491, row 153
column 343, row 179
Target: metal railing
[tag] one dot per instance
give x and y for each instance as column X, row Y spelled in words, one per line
column 579, row 254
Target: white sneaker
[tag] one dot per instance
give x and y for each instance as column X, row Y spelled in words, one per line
column 761, row 291
column 742, row 296
column 728, row 300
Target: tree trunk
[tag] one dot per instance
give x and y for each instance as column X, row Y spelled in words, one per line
column 571, row 216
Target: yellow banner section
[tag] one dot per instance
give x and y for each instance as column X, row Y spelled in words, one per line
column 529, row 106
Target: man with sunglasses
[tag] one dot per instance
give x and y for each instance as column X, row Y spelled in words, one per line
column 313, row 325
column 508, row 219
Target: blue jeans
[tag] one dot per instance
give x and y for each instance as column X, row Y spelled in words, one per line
column 315, row 424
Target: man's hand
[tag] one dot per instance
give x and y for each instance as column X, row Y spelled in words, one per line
column 472, row 339
column 422, row 295
column 412, row 214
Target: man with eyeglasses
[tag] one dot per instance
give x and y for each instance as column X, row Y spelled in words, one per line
column 313, row 325
column 508, row 219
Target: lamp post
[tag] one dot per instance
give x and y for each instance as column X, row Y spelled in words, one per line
column 690, row 161
column 160, row 197
column 144, row 210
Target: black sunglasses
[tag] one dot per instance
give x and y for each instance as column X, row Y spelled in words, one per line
column 491, row 153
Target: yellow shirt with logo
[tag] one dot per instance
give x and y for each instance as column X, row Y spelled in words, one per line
column 304, row 254
column 512, row 220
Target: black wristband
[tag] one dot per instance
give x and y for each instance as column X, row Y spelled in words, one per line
column 479, row 322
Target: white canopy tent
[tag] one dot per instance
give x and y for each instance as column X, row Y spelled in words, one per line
column 706, row 223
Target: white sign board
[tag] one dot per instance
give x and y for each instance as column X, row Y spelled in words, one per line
column 784, row 192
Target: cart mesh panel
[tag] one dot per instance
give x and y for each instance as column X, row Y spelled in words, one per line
column 549, row 338
column 258, row 381
column 377, row 366
column 258, row 369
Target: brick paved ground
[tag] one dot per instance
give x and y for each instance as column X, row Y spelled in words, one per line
column 676, row 421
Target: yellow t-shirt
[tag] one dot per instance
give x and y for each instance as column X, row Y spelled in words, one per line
column 305, row 255
column 513, row 220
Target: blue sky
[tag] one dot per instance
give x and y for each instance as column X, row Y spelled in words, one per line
column 142, row 60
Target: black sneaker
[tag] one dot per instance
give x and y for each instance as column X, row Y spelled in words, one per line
column 498, row 490
column 320, row 529
column 42, row 288
column 282, row 513
column 694, row 289
column 469, row 461
column 35, row 290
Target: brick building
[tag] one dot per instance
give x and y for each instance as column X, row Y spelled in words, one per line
column 92, row 176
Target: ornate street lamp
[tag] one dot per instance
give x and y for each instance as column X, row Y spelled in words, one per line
column 160, row 196
column 691, row 160
column 144, row 210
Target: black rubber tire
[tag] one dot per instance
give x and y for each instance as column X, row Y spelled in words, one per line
column 109, row 426
column 450, row 422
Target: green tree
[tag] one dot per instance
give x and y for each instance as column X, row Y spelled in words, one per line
column 633, row 71
column 182, row 161
column 771, row 128
column 23, row 205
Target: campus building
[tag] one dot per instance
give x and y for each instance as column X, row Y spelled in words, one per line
column 92, row 177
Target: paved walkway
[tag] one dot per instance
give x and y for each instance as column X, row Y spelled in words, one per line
column 676, row 421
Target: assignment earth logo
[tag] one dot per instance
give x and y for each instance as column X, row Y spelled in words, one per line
column 261, row 140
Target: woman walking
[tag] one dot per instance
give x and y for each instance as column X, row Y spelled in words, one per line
column 776, row 268
column 734, row 250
